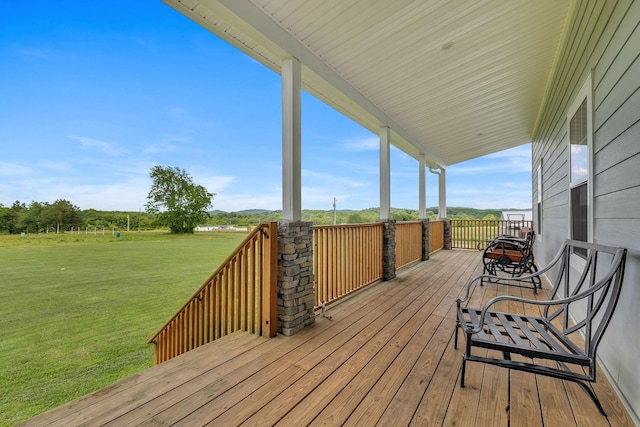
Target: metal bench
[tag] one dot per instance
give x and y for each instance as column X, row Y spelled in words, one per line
column 566, row 329
column 512, row 257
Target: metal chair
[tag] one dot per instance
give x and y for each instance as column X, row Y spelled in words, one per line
column 568, row 329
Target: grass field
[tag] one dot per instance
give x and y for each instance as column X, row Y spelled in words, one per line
column 76, row 310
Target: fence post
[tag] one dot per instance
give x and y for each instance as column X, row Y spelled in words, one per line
column 270, row 284
column 447, row 234
column 389, row 249
column 425, row 239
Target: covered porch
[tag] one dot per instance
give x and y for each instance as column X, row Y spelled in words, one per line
column 385, row 357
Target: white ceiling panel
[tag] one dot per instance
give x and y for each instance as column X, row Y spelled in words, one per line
column 454, row 80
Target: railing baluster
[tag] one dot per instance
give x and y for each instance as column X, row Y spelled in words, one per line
column 344, row 259
column 408, row 243
column 470, row 234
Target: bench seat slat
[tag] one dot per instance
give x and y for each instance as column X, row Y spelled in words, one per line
column 513, row 334
column 523, row 323
column 514, row 256
column 525, row 342
column 497, row 334
column 562, row 338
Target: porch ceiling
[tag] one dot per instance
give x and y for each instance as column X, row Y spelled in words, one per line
column 454, row 80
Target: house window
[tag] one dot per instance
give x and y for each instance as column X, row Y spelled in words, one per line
column 579, row 146
column 580, row 165
column 538, row 224
column 579, row 213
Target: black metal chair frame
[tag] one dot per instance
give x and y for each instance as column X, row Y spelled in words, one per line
column 567, row 332
column 511, row 257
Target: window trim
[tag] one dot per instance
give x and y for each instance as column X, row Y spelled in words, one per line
column 585, row 92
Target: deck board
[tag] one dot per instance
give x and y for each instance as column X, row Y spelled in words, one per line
column 386, row 357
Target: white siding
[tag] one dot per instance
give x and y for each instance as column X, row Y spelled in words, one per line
column 604, row 38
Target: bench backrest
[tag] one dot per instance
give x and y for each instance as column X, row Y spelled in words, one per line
column 529, row 240
column 592, row 294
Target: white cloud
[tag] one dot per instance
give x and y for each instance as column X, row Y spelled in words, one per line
column 331, row 180
column 520, row 151
column 231, row 201
column 512, row 161
column 34, row 53
column 499, row 195
column 369, row 143
column 160, row 147
column 54, row 166
column 214, row 184
column 124, row 195
column 14, row 169
column 101, row 146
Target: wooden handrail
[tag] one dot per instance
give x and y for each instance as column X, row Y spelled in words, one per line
column 240, row 295
column 345, row 258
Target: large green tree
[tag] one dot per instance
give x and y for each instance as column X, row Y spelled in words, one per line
column 60, row 215
column 177, row 201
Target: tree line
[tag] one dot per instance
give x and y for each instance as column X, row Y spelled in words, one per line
column 327, row 217
column 177, row 203
column 174, row 201
column 62, row 215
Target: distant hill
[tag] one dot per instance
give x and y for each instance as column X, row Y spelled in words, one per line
column 243, row 212
column 345, row 216
column 256, row 211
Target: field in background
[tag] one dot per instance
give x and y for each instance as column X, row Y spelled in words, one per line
column 76, row 310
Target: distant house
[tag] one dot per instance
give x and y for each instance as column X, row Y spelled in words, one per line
column 220, row 228
column 517, row 219
column 526, row 215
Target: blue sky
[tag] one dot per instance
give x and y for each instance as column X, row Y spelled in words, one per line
column 93, row 95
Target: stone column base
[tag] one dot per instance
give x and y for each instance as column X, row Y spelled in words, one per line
column 296, row 297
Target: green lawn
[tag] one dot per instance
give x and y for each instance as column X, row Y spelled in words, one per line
column 76, row 310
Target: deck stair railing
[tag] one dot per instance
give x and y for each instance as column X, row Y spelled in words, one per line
column 345, row 258
column 474, row 233
column 240, row 295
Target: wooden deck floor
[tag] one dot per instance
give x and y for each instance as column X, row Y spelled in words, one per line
column 386, row 358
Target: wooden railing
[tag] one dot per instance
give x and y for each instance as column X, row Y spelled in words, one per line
column 345, row 258
column 473, row 234
column 408, row 243
column 240, row 295
column 436, row 235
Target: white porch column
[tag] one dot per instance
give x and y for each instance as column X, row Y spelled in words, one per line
column 442, row 194
column 442, row 191
column 422, row 188
column 385, row 173
column 291, row 141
